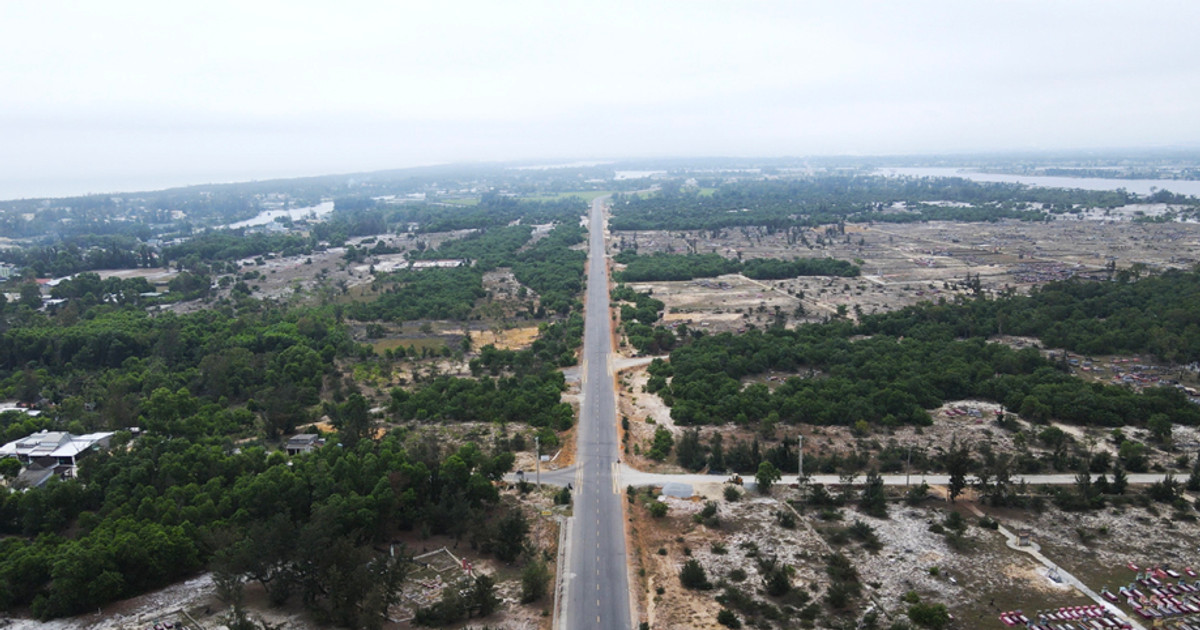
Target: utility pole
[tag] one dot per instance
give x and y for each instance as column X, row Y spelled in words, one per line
column 800, row 459
column 537, row 460
column 908, row 467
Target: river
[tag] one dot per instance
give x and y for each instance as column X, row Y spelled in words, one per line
column 1139, row 186
column 266, row 216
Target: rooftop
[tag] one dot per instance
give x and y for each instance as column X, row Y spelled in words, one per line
column 52, row 444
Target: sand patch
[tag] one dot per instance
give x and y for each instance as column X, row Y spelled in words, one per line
column 511, row 339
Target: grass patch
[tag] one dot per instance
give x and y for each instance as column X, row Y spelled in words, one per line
column 420, row 343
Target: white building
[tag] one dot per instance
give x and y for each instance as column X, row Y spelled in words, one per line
column 55, row 449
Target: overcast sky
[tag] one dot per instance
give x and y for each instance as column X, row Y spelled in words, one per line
column 114, row 95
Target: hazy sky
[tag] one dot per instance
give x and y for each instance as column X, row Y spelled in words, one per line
column 113, row 95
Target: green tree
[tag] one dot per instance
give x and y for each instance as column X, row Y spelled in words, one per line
column 1193, row 480
column 1120, row 481
column 662, row 444
column 1160, row 428
column 693, row 576
column 10, row 467
column 31, row 295
column 958, row 464
column 535, row 577
column 874, row 500
column 776, row 581
column 355, row 419
column 483, row 595
column 1133, row 456
column 929, row 615
column 766, row 477
column 510, row 537
column 689, row 451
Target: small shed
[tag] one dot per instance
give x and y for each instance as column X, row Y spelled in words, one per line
column 303, row 443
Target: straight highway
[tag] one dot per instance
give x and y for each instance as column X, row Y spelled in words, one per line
column 596, row 575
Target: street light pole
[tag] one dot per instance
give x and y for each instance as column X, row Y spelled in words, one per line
column 537, row 460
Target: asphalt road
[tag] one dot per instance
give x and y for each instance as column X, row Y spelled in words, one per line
column 596, row 578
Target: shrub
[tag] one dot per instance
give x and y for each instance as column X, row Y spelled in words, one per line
column 728, row 619
column 534, row 579
column 929, row 615
column 693, row 576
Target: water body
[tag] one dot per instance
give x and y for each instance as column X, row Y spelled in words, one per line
column 318, row 211
column 1139, row 186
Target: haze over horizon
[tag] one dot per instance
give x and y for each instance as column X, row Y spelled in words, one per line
column 136, row 95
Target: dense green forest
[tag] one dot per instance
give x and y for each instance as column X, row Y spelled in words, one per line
column 830, row 199
column 892, row 367
column 493, row 210
column 424, row 294
column 181, row 497
column 550, row 267
column 661, row 267
column 198, row 486
column 488, row 248
column 640, row 315
column 229, row 245
column 82, row 253
column 888, row 381
column 1157, row 314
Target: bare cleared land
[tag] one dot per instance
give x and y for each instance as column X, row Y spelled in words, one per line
column 904, row 263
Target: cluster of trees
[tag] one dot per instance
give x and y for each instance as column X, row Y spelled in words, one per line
column 639, row 319
column 660, row 267
column 554, row 270
column 549, row 267
column 82, row 253
column 915, row 359
column 197, row 490
column 88, row 289
column 424, row 294
column 639, row 307
column 888, row 380
column 534, row 398
column 227, row 245
column 1156, row 314
column 508, row 386
column 830, row 199
column 493, row 210
column 488, row 248
column 159, row 509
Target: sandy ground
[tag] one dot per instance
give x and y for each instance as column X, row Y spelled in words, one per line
column 903, row 264
column 510, row 339
column 976, row 580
